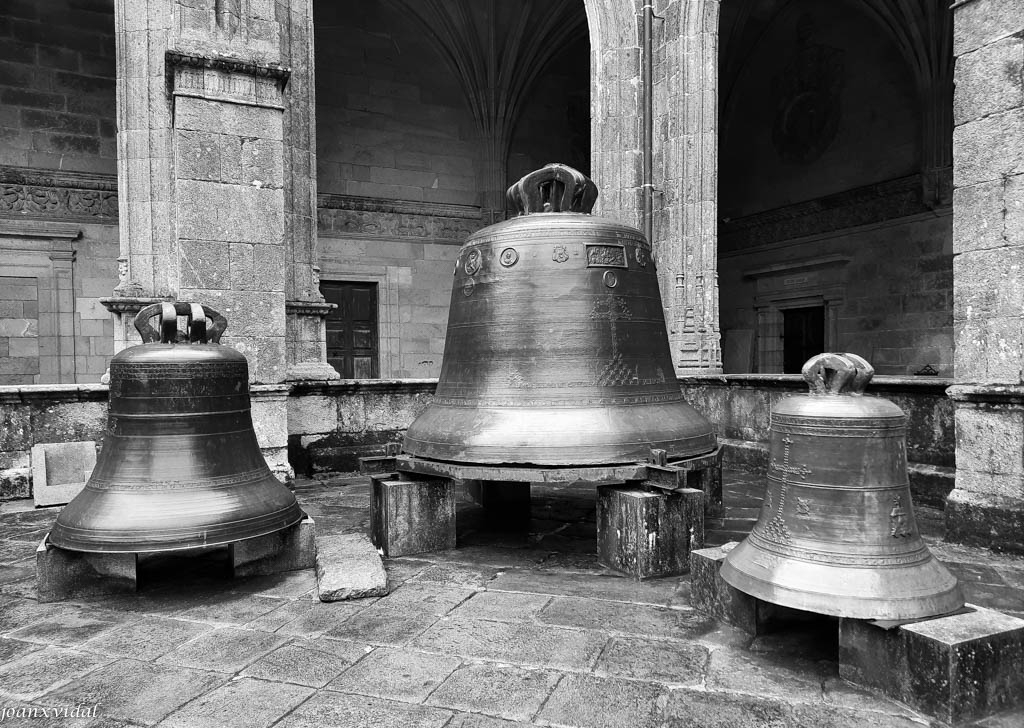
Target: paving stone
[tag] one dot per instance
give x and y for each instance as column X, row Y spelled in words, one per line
column 13, row 649
column 799, row 680
column 140, row 692
column 425, row 598
column 67, row 629
column 456, row 575
column 328, row 708
column 236, row 609
column 382, row 627
column 146, row 639
column 697, row 709
column 36, row 673
column 286, row 585
column 398, row 674
column 306, row 662
column 401, row 570
column 504, row 691
column 223, row 650
column 502, row 606
column 828, row 716
column 349, row 567
column 638, row 619
column 18, row 613
column 522, row 644
column 641, row 658
column 615, row 587
column 244, row 703
column 308, row 617
column 591, row 702
column 476, row 720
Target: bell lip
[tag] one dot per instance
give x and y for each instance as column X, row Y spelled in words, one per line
column 908, row 607
column 100, row 547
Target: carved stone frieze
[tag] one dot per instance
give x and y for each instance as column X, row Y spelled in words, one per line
column 346, row 215
column 861, row 206
column 58, row 194
column 228, row 79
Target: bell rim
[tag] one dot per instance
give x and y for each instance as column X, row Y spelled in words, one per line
column 948, row 599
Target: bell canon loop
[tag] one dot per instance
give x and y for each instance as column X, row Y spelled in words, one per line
column 180, row 466
column 556, row 352
column 836, row 533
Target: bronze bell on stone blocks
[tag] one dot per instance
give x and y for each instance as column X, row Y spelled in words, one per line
column 836, row 533
column 180, row 466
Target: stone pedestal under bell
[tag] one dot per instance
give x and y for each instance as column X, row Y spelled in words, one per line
column 62, row 574
column 959, row 667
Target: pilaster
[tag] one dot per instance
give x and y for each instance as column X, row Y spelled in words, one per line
column 987, row 505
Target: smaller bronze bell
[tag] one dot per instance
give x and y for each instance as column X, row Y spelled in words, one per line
column 837, row 534
column 180, row 466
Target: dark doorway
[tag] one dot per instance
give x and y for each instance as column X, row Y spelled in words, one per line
column 352, row 329
column 803, row 336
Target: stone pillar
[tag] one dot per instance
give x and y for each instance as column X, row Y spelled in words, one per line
column 306, row 331
column 987, row 505
column 201, row 119
column 685, row 156
column 686, row 176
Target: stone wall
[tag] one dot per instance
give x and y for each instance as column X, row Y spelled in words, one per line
column 739, row 406
column 332, row 424
column 57, row 85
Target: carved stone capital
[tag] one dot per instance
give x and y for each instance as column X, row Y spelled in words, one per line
column 127, row 304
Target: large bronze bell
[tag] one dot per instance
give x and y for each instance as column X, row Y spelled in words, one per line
column 837, row 534
column 556, row 352
column 180, row 466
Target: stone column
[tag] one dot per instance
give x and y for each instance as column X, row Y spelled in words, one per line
column 201, row 109
column 987, row 505
column 306, row 332
column 685, row 156
column 686, row 176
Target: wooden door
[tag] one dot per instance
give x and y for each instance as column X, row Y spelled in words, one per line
column 352, row 329
column 803, row 336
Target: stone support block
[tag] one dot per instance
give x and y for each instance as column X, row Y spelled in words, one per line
column 710, row 594
column 349, row 567
column 60, row 470
column 62, row 574
column 958, row 668
column 287, row 550
column 648, row 533
column 412, row 515
column 374, row 464
column 980, row 519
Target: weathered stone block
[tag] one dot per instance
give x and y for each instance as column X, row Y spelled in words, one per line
column 710, row 593
column 958, row 668
column 286, row 550
column 978, row 217
column 349, row 567
column 988, row 148
column 312, row 414
column 648, row 533
column 60, row 470
column 62, row 574
column 412, row 516
column 983, row 21
column 989, row 79
column 990, row 439
column 987, row 520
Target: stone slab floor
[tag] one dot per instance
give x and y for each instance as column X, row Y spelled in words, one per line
column 507, row 630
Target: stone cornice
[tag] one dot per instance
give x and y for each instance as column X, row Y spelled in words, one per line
column 229, row 64
column 349, row 216
column 309, row 308
column 1005, row 394
column 860, row 206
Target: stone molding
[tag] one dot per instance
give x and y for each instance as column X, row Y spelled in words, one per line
column 309, row 308
column 44, row 193
column 860, row 206
column 127, row 304
column 795, row 383
column 28, row 228
column 350, row 216
column 228, row 79
column 981, row 394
